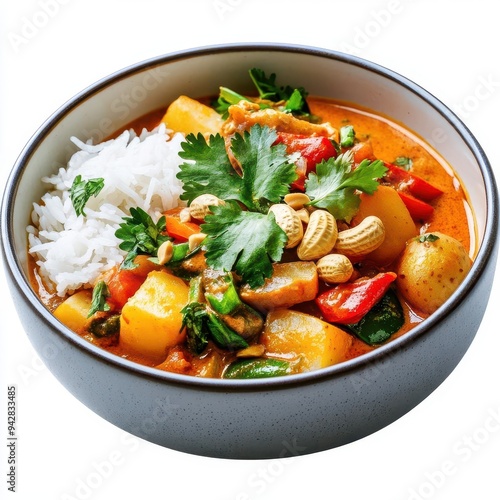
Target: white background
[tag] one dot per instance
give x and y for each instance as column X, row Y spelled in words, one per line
column 446, row 448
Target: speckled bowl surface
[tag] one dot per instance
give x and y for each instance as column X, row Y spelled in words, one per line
column 266, row 418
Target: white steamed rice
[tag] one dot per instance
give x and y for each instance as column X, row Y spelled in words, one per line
column 138, row 171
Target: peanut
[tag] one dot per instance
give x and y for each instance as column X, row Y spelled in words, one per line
column 320, row 236
column 288, row 219
column 303, row 214
column 334, row 268
column 195, row 240
column 185, row 215
column 200, row 206
column 362, row 239
column 165, row 252
column 296, row 200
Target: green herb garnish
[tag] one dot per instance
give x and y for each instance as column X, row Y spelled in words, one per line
column 140, row 235
column 246, row 242
column 286, row 98
column 431, row 238
column 99, row 296
column 81, row 191
column 266, row 171
column 334, row 185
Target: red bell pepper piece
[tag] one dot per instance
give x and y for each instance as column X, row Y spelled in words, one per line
column 347, row 303
column 401, row 179
column 313, row 149
column 419, row 210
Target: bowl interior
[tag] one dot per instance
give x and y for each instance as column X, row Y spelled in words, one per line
column 120, row 98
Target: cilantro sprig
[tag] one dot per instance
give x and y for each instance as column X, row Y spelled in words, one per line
column 266, row 171
column 140, row 235
column 334, row 185
column 287, row 98
column 81, row 191
column 246, row 242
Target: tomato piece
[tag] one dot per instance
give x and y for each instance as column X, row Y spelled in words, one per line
column 177, row 229
column 419, row 210
column 404, row 180
column 347, row 303
column 122, row 285
column 313, row 149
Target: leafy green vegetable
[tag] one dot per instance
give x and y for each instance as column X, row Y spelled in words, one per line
column 246, row 242
column 99, row 296
column 335, row 183
column 266, row 171
column 81, row 191
column 140, row 235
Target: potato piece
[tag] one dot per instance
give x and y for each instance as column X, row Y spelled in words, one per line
column 295, row 335
column 386, row 204
column 290, row 284
column 151, row 320
column 74, row 310
column 430, row 270
column 188, row 116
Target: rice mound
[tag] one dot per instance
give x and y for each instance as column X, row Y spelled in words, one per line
column 138, row 171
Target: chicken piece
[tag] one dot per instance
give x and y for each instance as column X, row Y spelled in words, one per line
column 245, row 114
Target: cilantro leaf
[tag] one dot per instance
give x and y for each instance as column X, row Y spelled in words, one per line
column 81, row 191
column 266, row 170
column 208, row 169
column 335, row 183
column 99, row 296
column 246, row 242
column 295, row 98
column 140, row 235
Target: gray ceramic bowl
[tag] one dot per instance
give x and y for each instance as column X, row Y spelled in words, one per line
column 280, row 417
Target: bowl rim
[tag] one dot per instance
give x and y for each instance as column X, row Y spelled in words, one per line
column 226, row 385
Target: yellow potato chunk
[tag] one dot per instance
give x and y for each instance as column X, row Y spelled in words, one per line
column 298, row 336
column 386, row 204
column 431, row 269
column 290, row 284
column 74, row 310
column 188, row 116
column 151, row 320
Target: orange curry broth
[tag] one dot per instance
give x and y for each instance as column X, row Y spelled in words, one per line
column 389, row 140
